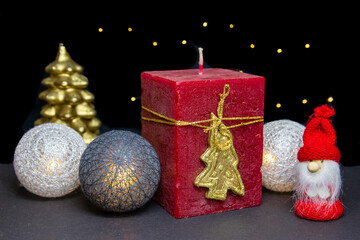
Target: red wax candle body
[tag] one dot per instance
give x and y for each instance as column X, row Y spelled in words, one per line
column 185, row 95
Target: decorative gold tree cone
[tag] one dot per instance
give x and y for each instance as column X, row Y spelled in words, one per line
column 48, row 82
column 89, row 136
column 75, row 96
column 68, row 102
column 48, row 111
column 61, row 81
column 63, row 63
column 85, row 110
column 79, row 125
column 41, row 121
column 69, row 96
column 51, row 120
column 59, row 121
column 66, row 112
column 93, row 124
column 86, row 95
column 53, row 96
column 72, row 96
column 65, row 80
column 78, row 81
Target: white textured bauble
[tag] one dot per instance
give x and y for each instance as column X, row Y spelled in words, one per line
column 282, row 141
column 47, row 158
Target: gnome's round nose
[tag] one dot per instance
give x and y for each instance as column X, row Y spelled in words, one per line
column 314, row 166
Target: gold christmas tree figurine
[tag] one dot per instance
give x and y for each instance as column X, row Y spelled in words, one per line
column 67, row 100
column 221, row 173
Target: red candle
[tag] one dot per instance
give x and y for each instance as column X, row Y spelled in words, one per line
column 189, row 96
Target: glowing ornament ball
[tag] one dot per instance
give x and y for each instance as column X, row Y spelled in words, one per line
column 119, row 171
column 46, row 160
column 282, row 141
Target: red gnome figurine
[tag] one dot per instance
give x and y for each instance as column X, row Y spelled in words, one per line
column 318, row 171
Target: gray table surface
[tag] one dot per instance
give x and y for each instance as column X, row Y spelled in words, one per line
column 27, row 216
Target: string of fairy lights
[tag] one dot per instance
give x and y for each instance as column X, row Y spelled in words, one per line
column 205, row 24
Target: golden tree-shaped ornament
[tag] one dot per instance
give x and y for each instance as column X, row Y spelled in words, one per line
column 68, row 102
column 221, row 173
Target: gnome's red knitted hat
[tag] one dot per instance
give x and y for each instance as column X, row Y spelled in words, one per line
column 319, row 137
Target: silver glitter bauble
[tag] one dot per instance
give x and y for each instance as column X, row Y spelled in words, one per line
column 282, row 141
column 47, row 158
column 119, row 171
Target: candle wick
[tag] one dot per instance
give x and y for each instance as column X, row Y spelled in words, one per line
column 201, row 61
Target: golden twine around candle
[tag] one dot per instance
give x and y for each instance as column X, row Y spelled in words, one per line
column 220, row 157
column 171, row 121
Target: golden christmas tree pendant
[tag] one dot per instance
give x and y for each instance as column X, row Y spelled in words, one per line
column 221, row 173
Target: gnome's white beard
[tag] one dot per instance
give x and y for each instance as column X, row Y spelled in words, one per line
column 323, row 185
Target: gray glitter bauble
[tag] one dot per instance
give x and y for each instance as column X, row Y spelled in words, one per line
column 119, row 171
column 282, row 141
column 47, row 158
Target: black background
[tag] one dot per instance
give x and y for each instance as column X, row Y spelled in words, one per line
column 114, row 58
